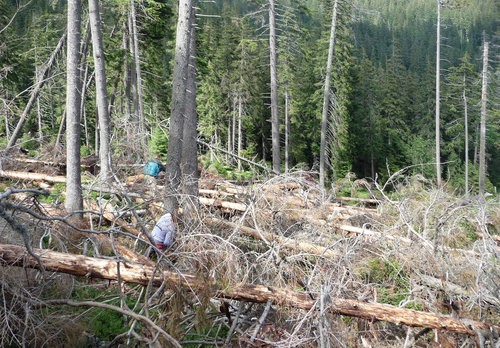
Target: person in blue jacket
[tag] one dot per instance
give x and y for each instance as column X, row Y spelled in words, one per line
column 151, row 171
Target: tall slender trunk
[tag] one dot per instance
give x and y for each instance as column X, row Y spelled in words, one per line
column 189, row 144
column 126, row 81
column 229, row 146
column 34, row 95
column 326, row 98
column 466, row 124
column 482, row 138
column 74, row 199
column 39, row 112
column 233, row 143
column 287, row 130
column 101, row 91
column 84, row 75
column 275, row 131
column 240, row 136
column 133, row 75
column 7, row 115
column 140, row 100
column 181, row 61
column 438, row 101
column 476, row 145
column 38, row 107
column 61, row 129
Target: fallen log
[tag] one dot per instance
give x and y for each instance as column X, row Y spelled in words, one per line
column 108, row 214
column 362, row 200
column 35, row 161
column 105, row 241
column 79, row 265
column 32, row 176
column 285, row 242
column 223, row 204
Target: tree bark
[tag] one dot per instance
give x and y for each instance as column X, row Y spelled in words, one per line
column 438, row 100
column 466, row 124
column 189, row 144
column 240, row 135
column 101, row 91
column 482, row 138
column 275, row 130
column 80, row 265
column 140, row 98
column 326, row 98
column 34, row 95
column 74, row 198
column 287, row 131
column 181, row 61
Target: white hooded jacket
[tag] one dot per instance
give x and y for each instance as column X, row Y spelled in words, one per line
column 164, row 230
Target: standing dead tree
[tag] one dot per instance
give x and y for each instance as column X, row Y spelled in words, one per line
column 36, row 91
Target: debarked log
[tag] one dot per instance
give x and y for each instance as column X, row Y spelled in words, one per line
column 80, row 265
column 10, row 174
column 285, row 242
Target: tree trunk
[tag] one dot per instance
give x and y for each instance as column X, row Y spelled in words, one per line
column 466, row 124
column 140, row 99
column 326, row 98
column 74, row 198
column 240, row 135
column 438, row 101
column 482, row 138
column 61, row 128
column 101, row 91
column 275, row 125
column 233, row 143
column 36, row 92
column 133, row 76
column 32, row 176
column 285, row 242
column 80, row 265
column 189, row 144
column 181, row 60
column 287, row 131
column 229, row 146
column 84, row 75
column 126, row 82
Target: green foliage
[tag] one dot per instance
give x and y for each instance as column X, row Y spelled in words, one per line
column 104, row 323
column 159, row 141
column 385, row 272
column 56, row 196
column 85, row 151
column 392, row 280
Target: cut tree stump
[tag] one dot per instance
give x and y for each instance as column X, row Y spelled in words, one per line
column 80, row 265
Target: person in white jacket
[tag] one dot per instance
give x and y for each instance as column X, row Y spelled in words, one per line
column 164, row 231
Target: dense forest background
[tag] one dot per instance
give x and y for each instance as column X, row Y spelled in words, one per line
column 390, row 254
column 381, row 116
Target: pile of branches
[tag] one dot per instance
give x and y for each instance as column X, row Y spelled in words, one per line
column 268, row 264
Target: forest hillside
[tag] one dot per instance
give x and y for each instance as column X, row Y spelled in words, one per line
column 281, row 173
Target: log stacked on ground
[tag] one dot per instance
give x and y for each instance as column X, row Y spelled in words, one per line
column 142, row 274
